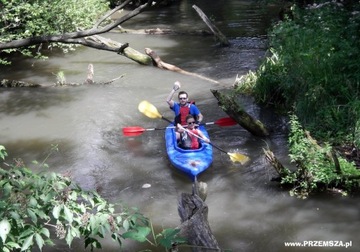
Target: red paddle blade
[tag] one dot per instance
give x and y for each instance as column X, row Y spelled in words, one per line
column 226, row 121
column 133, row 131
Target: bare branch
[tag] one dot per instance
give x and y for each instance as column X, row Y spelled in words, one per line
column 110, row 12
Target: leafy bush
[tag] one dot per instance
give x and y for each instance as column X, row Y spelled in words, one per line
column 313, row 69
column 315, row 165
column 24, row 19
column 34, row 206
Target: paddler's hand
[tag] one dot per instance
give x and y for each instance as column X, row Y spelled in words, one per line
column 176, row 86
column 180, row 128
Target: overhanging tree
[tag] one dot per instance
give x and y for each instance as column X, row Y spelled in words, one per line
column 31, row 28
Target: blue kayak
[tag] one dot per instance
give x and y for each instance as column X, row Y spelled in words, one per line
column 192, row 162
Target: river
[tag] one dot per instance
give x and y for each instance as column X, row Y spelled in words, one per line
column 247, row 212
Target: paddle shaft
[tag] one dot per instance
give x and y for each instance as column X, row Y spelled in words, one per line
column 151, row 129
column 137, row 130
column 167, row 120
column 226, row 121
column 217, row 147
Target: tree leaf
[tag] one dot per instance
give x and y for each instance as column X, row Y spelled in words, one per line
column 56, row 211
column 126, row 224
column 28, row 242
column 168, row 236
column 69, row 237
column 139, row 234
column 39, row 241
column 4, row 229
column 45, row 232
column 32, row 215
column 33, row 202
column 68, row 214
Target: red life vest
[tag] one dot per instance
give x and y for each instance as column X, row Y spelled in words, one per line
column 184, row 111
column 189, row 141
column 194, row 139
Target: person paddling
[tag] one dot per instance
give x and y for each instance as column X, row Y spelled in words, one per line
column 187, row 137
column 183, row 107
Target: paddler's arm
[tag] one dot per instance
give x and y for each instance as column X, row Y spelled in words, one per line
column 203, row 136
column 169, row 99
column 200, row 117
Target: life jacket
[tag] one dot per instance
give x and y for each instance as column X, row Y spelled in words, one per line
column 189, row 141
column 184, row 111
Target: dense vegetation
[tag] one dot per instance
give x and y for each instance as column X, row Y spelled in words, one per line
column 21, row 19
column 313, row 71
column 37, row 209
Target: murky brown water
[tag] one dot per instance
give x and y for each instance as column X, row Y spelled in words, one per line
column 246, row 211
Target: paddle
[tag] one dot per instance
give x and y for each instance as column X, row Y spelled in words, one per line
column 137, row 130
column 234, row 156
column 225, row 121
column 151, row 111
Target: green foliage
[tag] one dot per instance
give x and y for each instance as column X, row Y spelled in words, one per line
column 245, row 83
column 168, row 237
column 3, row 153
column 60, row 78
column 315, row 166
column 24, row 19
column 313, row 69
column 35, row 207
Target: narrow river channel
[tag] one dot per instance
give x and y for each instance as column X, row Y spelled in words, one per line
column 247, row 212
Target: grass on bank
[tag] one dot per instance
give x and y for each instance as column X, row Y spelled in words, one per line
column 313, row 71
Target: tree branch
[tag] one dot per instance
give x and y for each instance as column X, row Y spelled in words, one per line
column 71, row 36
column 110, row 12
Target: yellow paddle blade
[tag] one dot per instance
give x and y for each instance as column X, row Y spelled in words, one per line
column 149, row 110
column 237, row 157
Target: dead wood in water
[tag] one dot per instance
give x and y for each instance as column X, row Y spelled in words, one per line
column 218, row 34
column 157, row 61
column 121, row 48
column 159, row 31
column 61, row 81
column 317, row 169
column 235, row 111
column 90, row 76
column 271, row 158
column 194, row 223
column 15, row 83
column 108, row 22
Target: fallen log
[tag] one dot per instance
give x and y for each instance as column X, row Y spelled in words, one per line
column 123, row 49
column 61, row 81
column 15, row 83
column 159, row 31
column 272, row 159
column 218, row 34
column 157, row 61
column 235, row 111
column 194, row 226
